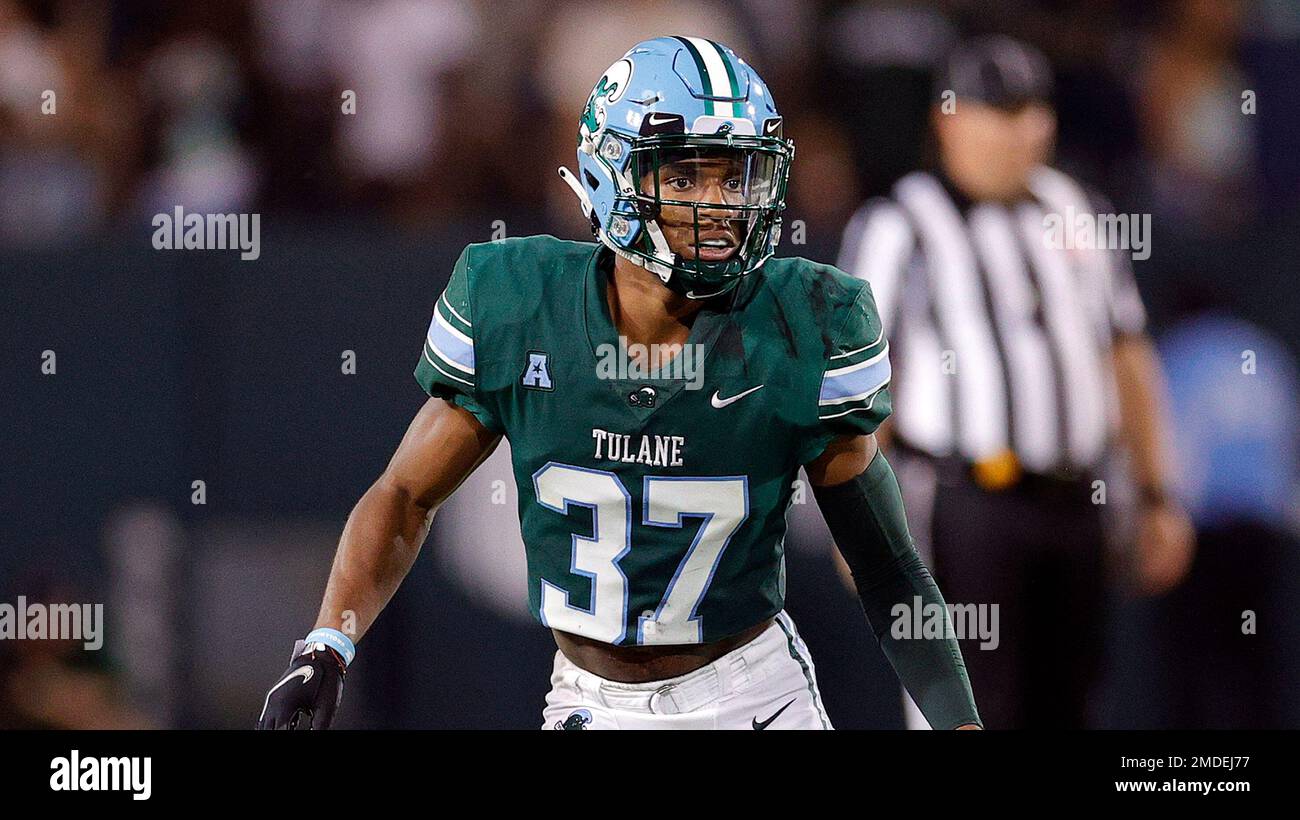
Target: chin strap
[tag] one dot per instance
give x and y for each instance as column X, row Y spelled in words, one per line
column 576, row 187
column 661, row 267
column 662, row 251
column 663, row 271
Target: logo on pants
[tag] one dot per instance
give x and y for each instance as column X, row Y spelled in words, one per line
column 575, row 722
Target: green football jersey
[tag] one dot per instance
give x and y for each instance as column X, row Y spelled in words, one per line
column 653, row 505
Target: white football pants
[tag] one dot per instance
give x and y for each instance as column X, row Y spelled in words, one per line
column 769, row 683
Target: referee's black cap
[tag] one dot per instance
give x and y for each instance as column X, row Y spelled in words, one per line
column 997, row 71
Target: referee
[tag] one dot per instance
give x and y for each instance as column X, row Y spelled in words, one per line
column 1019, row 363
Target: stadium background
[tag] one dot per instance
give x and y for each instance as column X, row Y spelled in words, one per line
column 177, row 366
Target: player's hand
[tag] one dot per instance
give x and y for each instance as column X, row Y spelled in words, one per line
column 1166, row 544
column 309, row 692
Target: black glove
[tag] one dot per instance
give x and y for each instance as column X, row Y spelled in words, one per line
column 309, row 692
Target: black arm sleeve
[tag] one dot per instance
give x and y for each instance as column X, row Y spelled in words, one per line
column 865, row 516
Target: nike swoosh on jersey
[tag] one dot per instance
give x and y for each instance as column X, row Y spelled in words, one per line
column 763, row 724
column 718, row 402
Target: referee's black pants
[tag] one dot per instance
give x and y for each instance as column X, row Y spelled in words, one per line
column 1036, row 549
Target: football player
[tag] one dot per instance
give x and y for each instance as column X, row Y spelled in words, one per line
column 653, row 513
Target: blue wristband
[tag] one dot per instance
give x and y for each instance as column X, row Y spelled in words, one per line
column 335, row 640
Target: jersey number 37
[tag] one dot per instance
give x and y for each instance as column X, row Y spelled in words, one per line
column 721, row 501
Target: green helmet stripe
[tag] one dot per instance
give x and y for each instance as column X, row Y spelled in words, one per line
column 722, row 80
column 717, row 76
column 715, row 63
column 706, row 83
column 731, row 79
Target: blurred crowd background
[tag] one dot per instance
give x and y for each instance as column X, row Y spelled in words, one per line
column 183, row 367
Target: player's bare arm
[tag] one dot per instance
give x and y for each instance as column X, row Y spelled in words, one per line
column 380, row 542
column 383, row 535
column 859, row 497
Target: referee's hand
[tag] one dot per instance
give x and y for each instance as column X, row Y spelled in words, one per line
column 308, row 693
column 1166, row 545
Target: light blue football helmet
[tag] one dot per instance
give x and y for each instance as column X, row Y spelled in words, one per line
column 678, row 102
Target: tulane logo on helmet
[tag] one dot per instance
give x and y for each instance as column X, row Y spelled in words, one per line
column 607, row 92
column 682, row 164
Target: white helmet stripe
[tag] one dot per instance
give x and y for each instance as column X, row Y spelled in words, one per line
column 715, row 67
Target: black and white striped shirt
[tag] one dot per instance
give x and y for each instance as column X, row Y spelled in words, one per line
column 999, row 340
